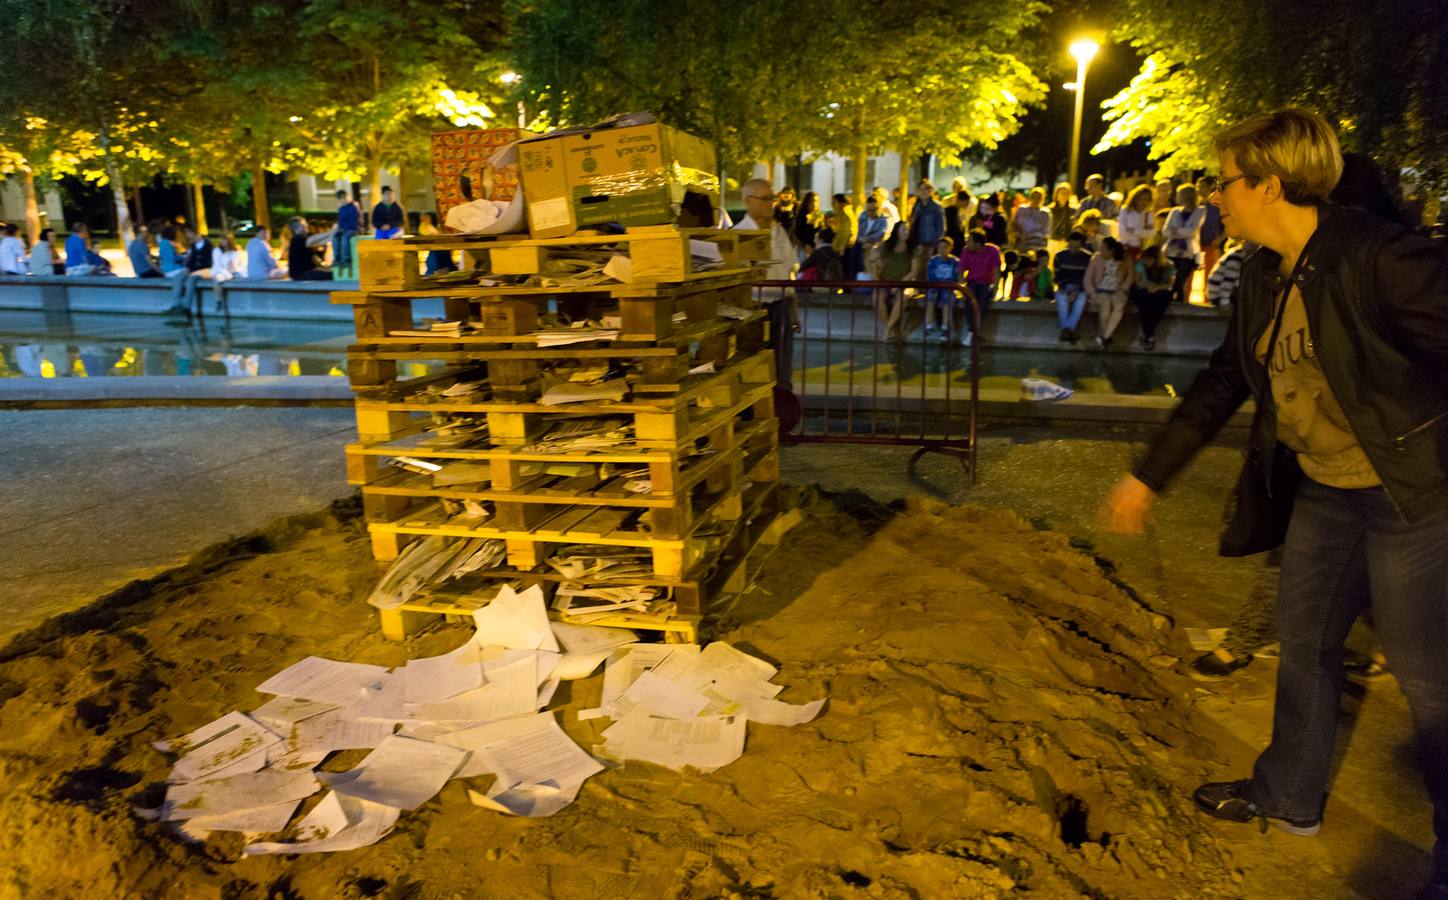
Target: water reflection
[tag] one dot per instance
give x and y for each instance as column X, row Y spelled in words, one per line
column 915, row 364
column 89, row 346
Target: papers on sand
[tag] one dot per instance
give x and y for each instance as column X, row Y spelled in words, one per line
column 471, row 712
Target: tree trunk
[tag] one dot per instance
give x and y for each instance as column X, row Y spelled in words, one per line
column 857, row 182
column 140, row 211
column 198, row 196
column 904, row 183
column 260, row 208
column 32, row 208
column 374, row 182
column 118, row 199
column 776, row 172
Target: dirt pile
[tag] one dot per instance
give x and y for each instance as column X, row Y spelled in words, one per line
column 1002, row 717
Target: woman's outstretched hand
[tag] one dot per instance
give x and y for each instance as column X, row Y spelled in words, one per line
column 1127, row 508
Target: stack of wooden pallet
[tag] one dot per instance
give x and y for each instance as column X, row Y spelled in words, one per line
column 660, row 485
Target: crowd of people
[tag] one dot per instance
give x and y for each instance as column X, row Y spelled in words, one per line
column 1101, row 251
column 177, row 251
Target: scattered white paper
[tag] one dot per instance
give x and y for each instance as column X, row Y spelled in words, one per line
column 402, row 772
column 436, row 678
column 531, row 800
column 338, row 823
column 384, row 701
column 516, row 621
column 776, row 712
column 629, row 663
column 324, row 680
column 279, row 713
column 574, row 666
column 262, row 820
column 479, row 736
column 662, row 697
column 537, row 756
column 591, row 638
column 546, row 692
column 215, row 797
column 330, row 731
column 512, row 690
column 233, row 741
column 705, row 743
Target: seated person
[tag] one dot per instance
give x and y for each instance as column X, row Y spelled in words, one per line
column 303, row 252
column 143, row 265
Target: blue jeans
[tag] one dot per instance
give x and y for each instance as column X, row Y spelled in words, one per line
column 1070, row 304
column 342, row 249
column 984, row 295
column 1344, row 547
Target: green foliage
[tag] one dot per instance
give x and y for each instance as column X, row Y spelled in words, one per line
column 763, row 79
column 1373, row 67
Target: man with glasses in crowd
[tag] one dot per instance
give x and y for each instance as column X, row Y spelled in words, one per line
column 783, row 306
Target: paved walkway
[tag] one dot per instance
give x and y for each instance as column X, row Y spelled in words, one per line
column 96, row 498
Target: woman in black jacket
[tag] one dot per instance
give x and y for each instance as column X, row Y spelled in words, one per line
column 1341, row 336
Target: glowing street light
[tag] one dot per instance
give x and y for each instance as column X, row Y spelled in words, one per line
column 510, row 78
column 1083, row 49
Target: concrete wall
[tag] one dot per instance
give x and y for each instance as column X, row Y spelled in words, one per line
column 245, row 299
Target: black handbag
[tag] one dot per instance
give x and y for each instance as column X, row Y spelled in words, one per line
column 1261, row 504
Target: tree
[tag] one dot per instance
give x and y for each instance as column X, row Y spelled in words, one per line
column 35, row 149
column 761, row 81
column 396, row 70
column 732, row 75
column 104, row 91
column 894, row 82
column 1373, row 67
column 253, row 78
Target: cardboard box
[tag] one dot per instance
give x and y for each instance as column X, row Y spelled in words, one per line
column 635, row 176
column 464, row 155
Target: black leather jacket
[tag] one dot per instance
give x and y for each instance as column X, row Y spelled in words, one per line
column 1376, row 298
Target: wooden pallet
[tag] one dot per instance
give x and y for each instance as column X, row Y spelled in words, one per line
column 514, row 368
column 526, row 548
column 655, row 253
column 757, row 536
column 537, row 499
column 661, row 421
column 670, row 469
column 511, row 316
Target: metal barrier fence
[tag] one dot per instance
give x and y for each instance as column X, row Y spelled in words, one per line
column 870, row 402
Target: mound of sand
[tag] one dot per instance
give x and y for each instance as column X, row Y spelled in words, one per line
column 1003, row 717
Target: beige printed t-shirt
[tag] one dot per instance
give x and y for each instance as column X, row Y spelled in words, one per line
column 1309, row 418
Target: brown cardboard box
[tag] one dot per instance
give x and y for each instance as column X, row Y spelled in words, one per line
column 464, row 154
column 635, row 176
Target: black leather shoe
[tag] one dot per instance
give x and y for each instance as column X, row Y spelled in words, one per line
column 1210, row 665
column 1231, row 800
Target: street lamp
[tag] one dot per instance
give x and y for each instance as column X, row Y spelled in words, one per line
column 511, row 78
column 1083, row 49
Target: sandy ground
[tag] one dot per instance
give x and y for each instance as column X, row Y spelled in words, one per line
column 1006, row 715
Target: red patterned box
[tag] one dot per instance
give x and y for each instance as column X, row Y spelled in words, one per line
column 460, row 155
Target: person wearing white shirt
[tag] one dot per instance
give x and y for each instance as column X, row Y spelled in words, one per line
column 226, row 265
column 1136, row 224
column 12, row 252
column 783, row 305
column 261, row 265
column 1183, row 243
column 888, row 209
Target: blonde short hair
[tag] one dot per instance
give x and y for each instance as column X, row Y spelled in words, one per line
column 1296, row 145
